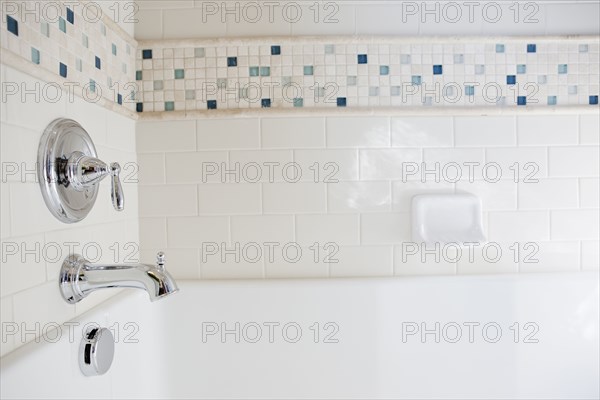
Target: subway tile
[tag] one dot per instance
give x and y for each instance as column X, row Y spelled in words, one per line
column 550, row 257
column 358, row 132
column 582, row 161
column 322, row 228
column 299, row 262
column 151, row 136
column 193, row 232
column 546, row 130
column 327, row 165
column 520, row 163
column 495, row 196
column 228, row 134
column 384, row 164
column 507, row 226
column 23, row 265
column 589, row 193
column 183, row 24
column 293, row 133
column 298, row 197
column 414, row 259
column 262, row 228
column 485, row 131
column 590, row 255
column 548, row 194
column 213, row 267
column 358, row 197
column 208, row 166
column 403, row 192
column 153, row 232
column 574, row 224
column 28, row 211
column 451, row 156
column 589, row 129
column 358, row 261
column 225, row 198
column 385, row 228
column 345, row 16
column 5, row 209
column 422, row 132
column 264, row 165
column 19, row 162
column 151, row 168
column 489, row 258
column 382, row 19
column 6, row 317
column 168, row 200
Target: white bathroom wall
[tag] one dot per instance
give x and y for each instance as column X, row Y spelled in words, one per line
column 209, row 19
column 34, row 243
column 188, row 210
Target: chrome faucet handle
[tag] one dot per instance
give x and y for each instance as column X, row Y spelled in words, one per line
column 160, row 260
column 116, row 193
column 83, row 171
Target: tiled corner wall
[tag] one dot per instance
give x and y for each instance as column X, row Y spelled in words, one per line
column 366, row 213
column 75, row 46
column 367, row 72
column 34, row 243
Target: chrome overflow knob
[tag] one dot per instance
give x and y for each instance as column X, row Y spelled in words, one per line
column 160, row 260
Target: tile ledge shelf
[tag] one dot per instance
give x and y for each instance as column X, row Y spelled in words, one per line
column 351, row 39
column 367, row 111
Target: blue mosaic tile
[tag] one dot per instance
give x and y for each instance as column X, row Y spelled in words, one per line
column 84, row 40
column 405, row 59
column 114, row 49
column 298, row 102
column 179, row 74
column 362, row 58
column 211, row 104
column 562, row 68
column 139, row 107
column 341, row 102
column 511, row 79
column 98, row 63
column 275, row 50
column 351, row 80
column 92, row 86
column 551, row 100
column 146, row 54
column 232, row 61
column 253, row 71
column 169, row 106
column 459, row 59
column 593, row 100
column 70, row 16
column 572, row 89
column 373, row 91
column 35, row 55
column 521, row 100
column 470, row 90
column 479, row 69
column 62, row 25
column 119, row 98
column 138, row 75
column 308, row 70
column 542, row 79
column 499, row 48
column 199, row 52
column 12, row 25
column 265, row 103
column 416, row 79
column 395, row 91
column 437, row 69
column 384, row 70
column 158, row 85
column 78, row 64
column 265, row 71
column 62, row 70
column 583, row 48
column 531, row 48
column 45, row 29
column 329, row 49
column 521, row 69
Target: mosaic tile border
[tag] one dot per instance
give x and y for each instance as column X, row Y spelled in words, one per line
column 374, row 72
column 92, row 58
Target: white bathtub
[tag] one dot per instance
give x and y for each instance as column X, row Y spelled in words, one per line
column 375, row 356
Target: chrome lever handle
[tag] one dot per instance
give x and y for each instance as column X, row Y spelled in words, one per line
column 116, row 194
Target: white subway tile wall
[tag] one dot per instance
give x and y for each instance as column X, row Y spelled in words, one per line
column 330, row 196
column 309, row 72
column 170, row 19
column 34, row 243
